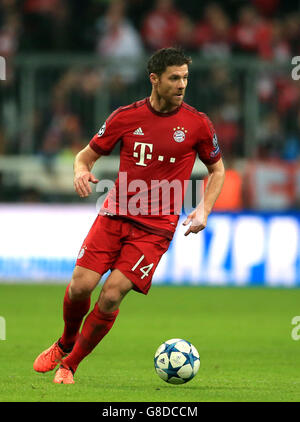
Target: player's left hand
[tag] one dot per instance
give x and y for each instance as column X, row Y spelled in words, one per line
column 198, row 222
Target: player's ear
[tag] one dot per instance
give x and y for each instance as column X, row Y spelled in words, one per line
column 153, row 78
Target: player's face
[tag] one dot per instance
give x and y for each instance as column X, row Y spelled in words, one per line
column 172, row 83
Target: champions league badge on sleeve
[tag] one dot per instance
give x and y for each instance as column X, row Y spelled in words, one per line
column 81, row 252
column 102, row 129
column 215, row 145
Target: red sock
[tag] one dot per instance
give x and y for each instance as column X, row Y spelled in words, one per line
column 73, row 313
column 96, row 325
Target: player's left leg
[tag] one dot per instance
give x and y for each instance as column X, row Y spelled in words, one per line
column 97, row 324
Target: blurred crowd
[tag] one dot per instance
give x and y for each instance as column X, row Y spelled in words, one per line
column 120, row 30
column 266, row 28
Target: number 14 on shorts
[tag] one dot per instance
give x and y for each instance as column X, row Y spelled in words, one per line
column 145, row 270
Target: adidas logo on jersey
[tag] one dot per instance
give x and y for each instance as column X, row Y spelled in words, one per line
column 138, row 131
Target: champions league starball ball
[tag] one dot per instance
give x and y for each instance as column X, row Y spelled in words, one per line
column 176, row 361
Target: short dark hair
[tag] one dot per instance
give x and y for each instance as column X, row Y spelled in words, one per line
column 165, row 57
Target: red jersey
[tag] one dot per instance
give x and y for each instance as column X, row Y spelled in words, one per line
column 157, row 150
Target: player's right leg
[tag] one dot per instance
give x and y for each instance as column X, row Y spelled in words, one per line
column 100, row 249
column 96, row 325
column 76, row 304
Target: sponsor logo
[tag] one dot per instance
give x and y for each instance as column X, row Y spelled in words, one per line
column 143, row 152
column 138, row 131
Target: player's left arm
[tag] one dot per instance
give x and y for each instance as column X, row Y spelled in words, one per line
column 198, row 218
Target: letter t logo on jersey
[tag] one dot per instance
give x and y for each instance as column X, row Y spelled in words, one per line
column 142, row 153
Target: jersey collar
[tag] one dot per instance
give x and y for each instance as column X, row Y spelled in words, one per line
column 158, row 113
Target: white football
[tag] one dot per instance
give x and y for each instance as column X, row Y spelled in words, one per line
column 176, row 361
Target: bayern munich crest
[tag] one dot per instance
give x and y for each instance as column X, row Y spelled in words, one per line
column 179, row 134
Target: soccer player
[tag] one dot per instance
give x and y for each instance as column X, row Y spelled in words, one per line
column 160, row 137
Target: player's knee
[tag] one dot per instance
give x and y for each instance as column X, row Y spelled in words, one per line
column 113, row 291
column 81, row 285
column 78, row 291
column 110, row 298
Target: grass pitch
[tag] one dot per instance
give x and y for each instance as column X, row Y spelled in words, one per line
column 243, row 336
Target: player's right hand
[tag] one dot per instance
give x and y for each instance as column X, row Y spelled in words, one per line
column 81, row 183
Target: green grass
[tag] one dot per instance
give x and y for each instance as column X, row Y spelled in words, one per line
column 243, row 336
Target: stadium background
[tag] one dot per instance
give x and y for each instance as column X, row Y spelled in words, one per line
column 232, row 290
column 69, row 64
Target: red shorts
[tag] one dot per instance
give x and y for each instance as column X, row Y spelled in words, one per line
column 114, row 243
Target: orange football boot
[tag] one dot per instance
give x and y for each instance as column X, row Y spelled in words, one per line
column 63, row 375
column 49, row 358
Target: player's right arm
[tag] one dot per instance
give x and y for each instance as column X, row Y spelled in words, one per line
column 83, row 164
column 102, row 143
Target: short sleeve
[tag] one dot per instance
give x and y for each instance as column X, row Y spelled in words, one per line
column 109, row 134
column 207, row 146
